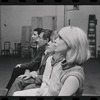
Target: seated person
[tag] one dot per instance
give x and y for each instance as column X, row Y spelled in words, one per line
column 64, row 74
column 34, row 41
column 35, row 63
column 29, row 46
column 34, row 78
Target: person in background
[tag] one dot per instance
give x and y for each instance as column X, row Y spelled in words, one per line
column 64, row 73
column 29, row 49
column 32, row 65
column 34, row 78
column 35, row 33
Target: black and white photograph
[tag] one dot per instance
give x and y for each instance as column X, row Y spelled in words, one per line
column 49, row 50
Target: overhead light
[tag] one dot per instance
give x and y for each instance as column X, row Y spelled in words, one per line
column 76, row 7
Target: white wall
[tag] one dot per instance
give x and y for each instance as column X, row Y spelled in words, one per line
column 17, row 16
column 60, row 17
column 80, row 18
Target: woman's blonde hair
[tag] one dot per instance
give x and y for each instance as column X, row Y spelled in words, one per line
column 77, row 41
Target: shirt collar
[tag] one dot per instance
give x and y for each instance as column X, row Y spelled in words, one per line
column 65, row 65
column 54, row 62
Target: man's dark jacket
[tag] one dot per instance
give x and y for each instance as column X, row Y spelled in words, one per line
column 35, row 63
column 32, row 66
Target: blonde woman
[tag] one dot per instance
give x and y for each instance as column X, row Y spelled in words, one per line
column 64, row 73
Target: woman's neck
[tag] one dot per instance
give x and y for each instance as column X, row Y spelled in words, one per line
column 57, row 56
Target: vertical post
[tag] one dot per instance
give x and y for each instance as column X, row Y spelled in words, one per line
column 0, row 30
column 60, row 17
column 69, row 22
column 65, row 16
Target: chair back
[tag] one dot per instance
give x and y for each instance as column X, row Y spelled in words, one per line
column 7, row 45
column 27, row 44
column 3, row 91
column 17, row 46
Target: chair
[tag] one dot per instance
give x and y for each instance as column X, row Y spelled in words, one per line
column 3, row 91
column 26, row 50
column 33, row 49
column 17, row 50
column 6, row 50
column 99, row 53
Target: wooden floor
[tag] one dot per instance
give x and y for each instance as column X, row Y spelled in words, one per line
column 92, row 72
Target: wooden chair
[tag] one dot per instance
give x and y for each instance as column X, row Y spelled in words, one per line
column 3, row 91
column 17, row 50
column 6, row 50
column 99, row 53
column 26, row 50
column 33, row 49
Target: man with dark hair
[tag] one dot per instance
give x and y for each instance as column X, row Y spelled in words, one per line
column 33, row 65
column 35, row 33
column 21, row 82
column 29, row 49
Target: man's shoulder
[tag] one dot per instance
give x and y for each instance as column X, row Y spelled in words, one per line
column 43, row 46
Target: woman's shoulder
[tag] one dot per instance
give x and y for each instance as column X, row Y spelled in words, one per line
column 70, row 68
column 76, row 71
column 77, row 68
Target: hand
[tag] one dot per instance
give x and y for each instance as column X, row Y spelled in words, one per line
column 33, row 74
column 27, row 71
column 22, row 76
column 18, row 66
column 25, row 76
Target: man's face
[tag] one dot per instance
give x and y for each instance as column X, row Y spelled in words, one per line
column 40, row 39
column 35, row 36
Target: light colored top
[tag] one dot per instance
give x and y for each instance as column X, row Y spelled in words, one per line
column 54, row 78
